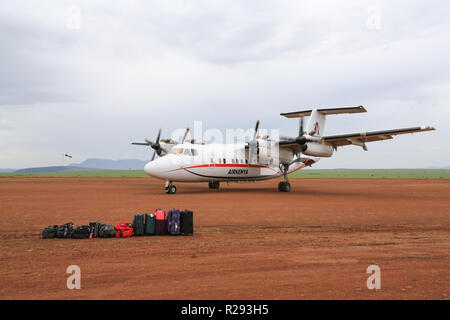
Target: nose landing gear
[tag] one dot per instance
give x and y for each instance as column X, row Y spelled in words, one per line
column 170, row 188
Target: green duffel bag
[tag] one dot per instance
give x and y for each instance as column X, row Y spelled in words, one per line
column 107, row 231
column 150, row 222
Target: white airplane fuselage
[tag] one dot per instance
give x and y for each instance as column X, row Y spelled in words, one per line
column 217, row 162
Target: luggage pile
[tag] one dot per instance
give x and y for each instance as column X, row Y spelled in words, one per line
column 174, row 222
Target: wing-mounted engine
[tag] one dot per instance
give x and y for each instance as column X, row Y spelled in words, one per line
column 262, row 150
column 317, row 149
column 267, row 151
column 162, row 147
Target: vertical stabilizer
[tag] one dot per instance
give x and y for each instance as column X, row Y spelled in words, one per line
column 316, row 124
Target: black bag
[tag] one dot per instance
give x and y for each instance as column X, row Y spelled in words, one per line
column 107, row 231
column 138, row 224
column 81, row 232
column 95, row 229
column 49, row 232
column 187, row 222
column 65, row 231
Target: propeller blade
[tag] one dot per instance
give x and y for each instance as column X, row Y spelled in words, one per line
column 256, row 130
column 301, row 127
column 185, row 134
column 159, row 135
column 153, row 158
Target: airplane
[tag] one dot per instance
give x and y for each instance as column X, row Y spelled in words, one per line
column 261, row 158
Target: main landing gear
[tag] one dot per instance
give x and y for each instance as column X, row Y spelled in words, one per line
column 213, row 184
column 170, row 188
column 284, row 186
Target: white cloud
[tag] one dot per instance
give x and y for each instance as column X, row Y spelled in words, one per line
column 132, row 68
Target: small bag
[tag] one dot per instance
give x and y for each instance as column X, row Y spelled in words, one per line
column 95, row 228
column 81, row 232
column 124, row 230
column 107, row 231
column 49, row 232
column 65, row 231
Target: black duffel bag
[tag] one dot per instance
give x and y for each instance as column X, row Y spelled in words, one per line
column 81, row 232
column 65, row 231
column 49, row 232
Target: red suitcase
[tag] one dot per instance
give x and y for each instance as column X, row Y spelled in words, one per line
column 161, row 222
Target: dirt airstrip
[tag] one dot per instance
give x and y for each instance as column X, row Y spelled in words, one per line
column 250, row 242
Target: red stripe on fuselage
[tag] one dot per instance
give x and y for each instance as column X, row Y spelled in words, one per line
column 225, row 165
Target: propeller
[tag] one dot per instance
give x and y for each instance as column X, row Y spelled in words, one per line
column 253, row 145
column 155, row 145
column 301, row 139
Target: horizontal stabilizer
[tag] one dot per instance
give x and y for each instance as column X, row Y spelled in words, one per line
column 370, row 136
column 324, row 111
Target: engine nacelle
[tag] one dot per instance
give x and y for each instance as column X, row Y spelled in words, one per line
column 267, row 152
column 316, row 149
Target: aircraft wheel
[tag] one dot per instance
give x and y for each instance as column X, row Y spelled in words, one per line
column 214, row 185
column 284, row 186
column 171, row 189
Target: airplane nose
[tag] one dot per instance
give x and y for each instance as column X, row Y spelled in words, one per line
column 152, row 168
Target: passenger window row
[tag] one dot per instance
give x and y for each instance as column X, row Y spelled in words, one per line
column 235, row 161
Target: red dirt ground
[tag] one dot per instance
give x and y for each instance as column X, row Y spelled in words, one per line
column 250, row 242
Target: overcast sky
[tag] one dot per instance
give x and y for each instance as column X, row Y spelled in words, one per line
column 88, row 77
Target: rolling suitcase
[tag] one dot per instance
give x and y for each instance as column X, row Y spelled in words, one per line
column 187, row 222
column 173, row 222
column 160, row 223
column 138, row 224
column 150, row 224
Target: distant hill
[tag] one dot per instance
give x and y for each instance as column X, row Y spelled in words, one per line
column 7, row 170
column 107, row 164
column 53, row 169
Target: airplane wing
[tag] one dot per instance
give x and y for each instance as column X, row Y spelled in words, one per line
column 289, row 144
column 360, row 139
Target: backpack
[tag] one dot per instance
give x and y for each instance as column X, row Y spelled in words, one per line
column 81, row 232
column 124, row 229
column 187, row 222
column 173, row 222
column 107, row 231
column 95, row 228
column 65, row 231
column 150, row 224
column 160, row 223
column 49, row 232
column 138, row 224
